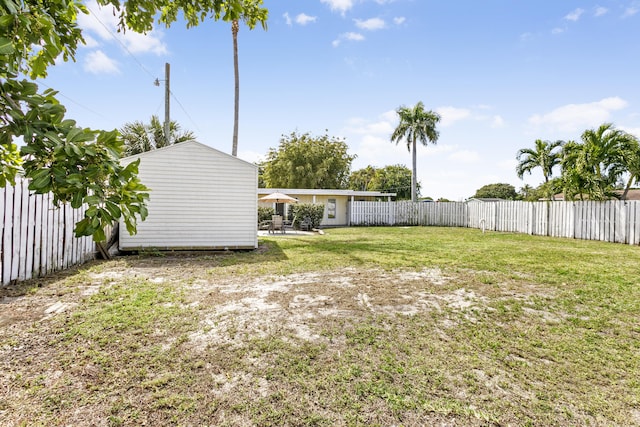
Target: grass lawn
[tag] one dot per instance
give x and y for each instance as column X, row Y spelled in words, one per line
column 361, row 326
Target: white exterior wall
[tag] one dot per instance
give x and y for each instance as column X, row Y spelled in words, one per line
column 341, row 209
column 200, row 198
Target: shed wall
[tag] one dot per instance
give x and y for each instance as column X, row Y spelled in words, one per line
column 200, row 198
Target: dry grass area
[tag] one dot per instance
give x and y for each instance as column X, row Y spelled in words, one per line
column 254, row 339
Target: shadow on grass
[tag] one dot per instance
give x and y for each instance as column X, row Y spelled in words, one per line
column 266, row 252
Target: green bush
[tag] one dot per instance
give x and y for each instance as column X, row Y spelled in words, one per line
column 265, row 213
column 315, row 212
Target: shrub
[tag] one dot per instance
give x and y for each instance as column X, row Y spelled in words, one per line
column 315, row 212
column 265, row 213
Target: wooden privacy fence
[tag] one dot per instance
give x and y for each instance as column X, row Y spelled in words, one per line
column 36, row 237
column 610, row 221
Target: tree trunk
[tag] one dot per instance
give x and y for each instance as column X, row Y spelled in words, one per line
column 234, row 30
column 414, row 180
column 627, row 187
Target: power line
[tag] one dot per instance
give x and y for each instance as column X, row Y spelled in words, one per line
column 119, row 42
column 72, row 100
column 185, row 111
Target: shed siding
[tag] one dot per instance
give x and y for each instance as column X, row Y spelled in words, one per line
column 199, row 198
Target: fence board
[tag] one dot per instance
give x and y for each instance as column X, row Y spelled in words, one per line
column 7, row 206
column 610, row 221
column 37, row 238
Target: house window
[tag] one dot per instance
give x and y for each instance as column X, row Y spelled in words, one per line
column 331, row 208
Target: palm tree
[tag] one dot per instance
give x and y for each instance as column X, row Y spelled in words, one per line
column 236, row 74
column 139, row 137
column 631, row 161
column 416, row 124
column 251, row 15
column 594, row 166
column 542, row 156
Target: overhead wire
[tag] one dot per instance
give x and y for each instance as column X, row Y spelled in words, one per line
column 110, row 31
column 185, row 111
column 70, row 99
column 119, row 41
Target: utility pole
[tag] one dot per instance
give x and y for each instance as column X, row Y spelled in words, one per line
column 167, row 93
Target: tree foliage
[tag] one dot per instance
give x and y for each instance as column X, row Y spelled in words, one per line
column 360, row 179
column 592, row 167
column 388, row 179
column 498, row 191
column 545, row 155
column 140, row 137
column 76, row 164
column 415, row 124
column 314, row 212
column 305, row 161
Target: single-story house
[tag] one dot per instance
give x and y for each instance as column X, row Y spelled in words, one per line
column 336, row 202
column 200, row 198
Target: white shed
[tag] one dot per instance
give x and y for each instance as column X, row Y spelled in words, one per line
column 199, row 198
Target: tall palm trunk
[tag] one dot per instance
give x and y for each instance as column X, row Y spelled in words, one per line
column 234, row 31
column 414, row 180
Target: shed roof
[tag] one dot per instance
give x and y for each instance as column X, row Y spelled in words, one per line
column 181, row 145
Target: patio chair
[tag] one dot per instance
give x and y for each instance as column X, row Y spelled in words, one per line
column 277, row 224
column 305, row 225
column 290, row 224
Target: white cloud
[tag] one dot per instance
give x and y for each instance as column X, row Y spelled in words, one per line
column 351, row 36
column 399, row 20
column 631, row 130
column 525, row 37
column 450, row 115
column 99, row 63
column 558, row 30
column 304, row 19
column 575, row 15
column 339, row 5
column 103, row 23
column 600, row 11
column 465, row 156
column 141, row 43
column 508, row 165
column 370, row 24
column 90, row 42
column 497, row 122
column 630, row 11
column 287, row 18
column 577, row 117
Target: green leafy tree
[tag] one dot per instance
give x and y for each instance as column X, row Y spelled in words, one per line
column 591, row 168
column 498, row 191
column 78, row 165
column 251, row 9
column 140, row 137
column 393, row 179
column 360, row 179
column 305, row 161
column 416, row 124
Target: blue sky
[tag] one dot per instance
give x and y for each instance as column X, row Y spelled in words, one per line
column 500, row 73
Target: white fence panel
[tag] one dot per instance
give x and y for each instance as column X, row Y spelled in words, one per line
column 36, row 237
column 610, row 221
